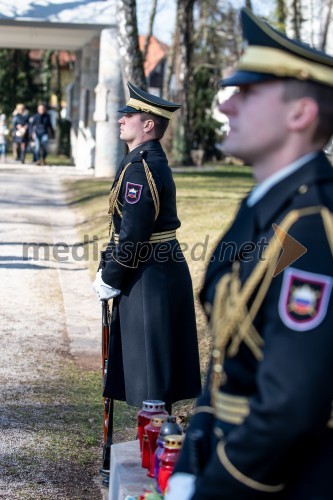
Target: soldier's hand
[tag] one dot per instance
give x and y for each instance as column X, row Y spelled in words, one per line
column 104, row 291
column 180, row 485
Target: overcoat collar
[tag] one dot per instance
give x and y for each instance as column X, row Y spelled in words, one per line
column 271, row 205
column 153, row 145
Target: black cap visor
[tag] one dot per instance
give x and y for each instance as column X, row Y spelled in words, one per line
column 129, row 109
column 246, row 78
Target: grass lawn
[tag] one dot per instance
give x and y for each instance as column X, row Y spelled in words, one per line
column 207, row 201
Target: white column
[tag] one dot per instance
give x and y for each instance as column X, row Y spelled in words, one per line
column 85, row 150
column 74, row 107
column 109, row 98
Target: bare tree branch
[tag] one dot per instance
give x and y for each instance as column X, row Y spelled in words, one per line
column 150, row 29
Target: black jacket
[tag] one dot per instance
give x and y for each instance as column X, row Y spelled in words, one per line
column 21, row 127
column 41, row 125
column 153, row 350
column 274, row 436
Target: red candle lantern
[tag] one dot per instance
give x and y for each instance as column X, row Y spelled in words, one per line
column 170, row 426
column 149, row 408
column 152, row 430
column 172, row 447
column 157, row 459
column 145, row 455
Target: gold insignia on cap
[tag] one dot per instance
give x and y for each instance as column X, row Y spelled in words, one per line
column 148, row 108
column 283, row 64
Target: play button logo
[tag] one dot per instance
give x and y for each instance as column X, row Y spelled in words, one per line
column 291, row 250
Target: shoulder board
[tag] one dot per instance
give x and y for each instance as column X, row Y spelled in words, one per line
column 138, row 157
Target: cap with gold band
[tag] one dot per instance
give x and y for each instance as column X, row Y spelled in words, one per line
column 270, row 55
column 143, row 102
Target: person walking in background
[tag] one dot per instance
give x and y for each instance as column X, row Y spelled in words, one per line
column 40, row 129
column 20, row 132
column 3, row 137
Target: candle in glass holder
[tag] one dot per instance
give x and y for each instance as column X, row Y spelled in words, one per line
column 152, row 430
column 172, row 447
column 150, row 407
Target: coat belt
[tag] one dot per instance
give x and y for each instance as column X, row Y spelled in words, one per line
column 155, row 237
column 234, row 409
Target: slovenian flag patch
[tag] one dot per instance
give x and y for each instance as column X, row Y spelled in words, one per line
column 133, row 192
column 304, row 299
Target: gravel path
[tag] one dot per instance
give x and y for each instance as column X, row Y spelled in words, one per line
column 48, row 314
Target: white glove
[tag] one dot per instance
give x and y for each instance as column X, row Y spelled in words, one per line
column 104, row 291
column 180, row 486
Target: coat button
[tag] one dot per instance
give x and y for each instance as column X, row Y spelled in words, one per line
column 303, row 189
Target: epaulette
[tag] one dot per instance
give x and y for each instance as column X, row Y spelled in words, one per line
column 232, row 321
column 138, row 157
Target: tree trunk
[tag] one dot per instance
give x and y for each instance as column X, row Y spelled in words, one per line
column 183, row 54
column 169, row 69
column 127, row 37
column 281, row 15
column 248, row 4
column 327, row 22
column 46, row 74
column 294, row 18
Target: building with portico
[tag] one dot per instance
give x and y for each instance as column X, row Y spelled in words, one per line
column 87, row 28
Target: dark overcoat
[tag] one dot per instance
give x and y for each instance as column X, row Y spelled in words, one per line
column 268, row 427
column 23, row 121
column 153, row 352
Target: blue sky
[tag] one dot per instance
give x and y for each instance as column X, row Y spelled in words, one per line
column 164, row 22
column 165, row 18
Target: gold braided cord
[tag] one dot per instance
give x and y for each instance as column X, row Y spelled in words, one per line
column 286, row 224
column 328, row 225
column 242, row 478
column 283, row 64
column 148, row 107
column 114, row 204
column 232, row 322
column 153, row 188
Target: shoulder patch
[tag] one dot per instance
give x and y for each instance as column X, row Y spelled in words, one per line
column 304, row 299
column 133, row 192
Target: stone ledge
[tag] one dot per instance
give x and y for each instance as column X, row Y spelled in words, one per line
column 127, row 477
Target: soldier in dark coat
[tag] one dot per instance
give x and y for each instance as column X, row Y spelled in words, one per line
column 263, row 427
column 153, row 352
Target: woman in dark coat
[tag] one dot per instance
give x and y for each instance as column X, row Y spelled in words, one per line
column 20, row 132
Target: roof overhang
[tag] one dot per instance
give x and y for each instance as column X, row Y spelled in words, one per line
column 47, row 35
column 53, row 24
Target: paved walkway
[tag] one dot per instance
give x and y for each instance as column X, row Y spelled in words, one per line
column 46, row 305
column 40, row 254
